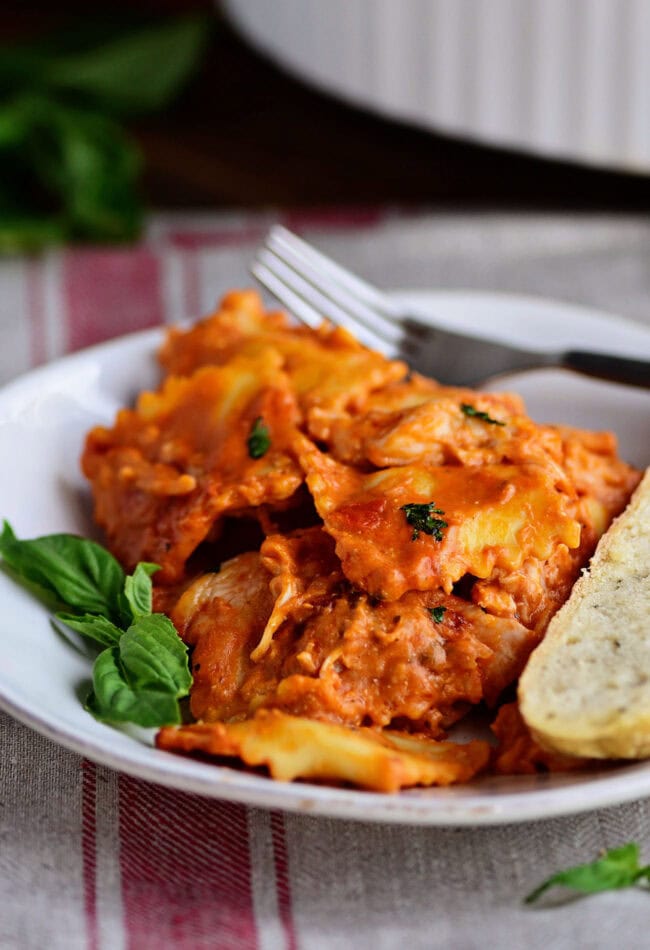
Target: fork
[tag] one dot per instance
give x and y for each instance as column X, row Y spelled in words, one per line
column 312, row 286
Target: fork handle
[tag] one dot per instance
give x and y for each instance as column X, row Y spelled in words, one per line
column 617, row 369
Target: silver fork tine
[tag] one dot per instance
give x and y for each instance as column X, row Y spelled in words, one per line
column 311, row 285
column 363, row 291
column 301, row 288
column 305, row 313
column 321, row 278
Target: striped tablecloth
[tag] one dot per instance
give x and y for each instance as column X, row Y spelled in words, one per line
column 93, row 859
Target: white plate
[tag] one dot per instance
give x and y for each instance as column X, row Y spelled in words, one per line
column 43, row 418
column 569, row 80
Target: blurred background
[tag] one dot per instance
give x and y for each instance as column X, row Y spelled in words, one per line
column 519, row 105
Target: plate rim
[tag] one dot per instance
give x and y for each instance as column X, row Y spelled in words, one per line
column 185, row 774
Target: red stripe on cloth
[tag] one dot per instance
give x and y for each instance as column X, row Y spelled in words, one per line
column 283, row 888
column 89, row 850
column 185, row 866
column 191, row 240
column 110, row 292
column 35, row 290
column 252, row 232
column 326, row 218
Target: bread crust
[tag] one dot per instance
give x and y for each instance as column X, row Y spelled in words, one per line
column 586, row 688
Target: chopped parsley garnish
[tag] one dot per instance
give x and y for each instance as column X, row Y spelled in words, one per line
column 259, row 440
column 475, row 413
column 437, row 613
column 421, row 518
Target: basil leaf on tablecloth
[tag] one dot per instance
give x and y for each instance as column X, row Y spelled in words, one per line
column 617, row 868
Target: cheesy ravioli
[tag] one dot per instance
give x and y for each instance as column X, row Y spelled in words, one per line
column 356, row 556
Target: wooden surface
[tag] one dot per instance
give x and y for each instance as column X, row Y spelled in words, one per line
column 244, row 134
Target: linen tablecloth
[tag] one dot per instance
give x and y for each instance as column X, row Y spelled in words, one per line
column 94, row 859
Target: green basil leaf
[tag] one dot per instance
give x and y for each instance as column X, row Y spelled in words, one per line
column 93, row 169
column 67, row 170
column 93, row 626
column 136, row 72
column 20, row 69
column 618, row 868
column 138, row 589
column 114, row 699
column 81, row 574
column 143, row 672
column 26, row 233
column 153, row 655
column 64, row 173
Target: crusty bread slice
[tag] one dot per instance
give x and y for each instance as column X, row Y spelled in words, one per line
column 586, row 688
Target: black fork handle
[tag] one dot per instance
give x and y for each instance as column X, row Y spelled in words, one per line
column 617, row 369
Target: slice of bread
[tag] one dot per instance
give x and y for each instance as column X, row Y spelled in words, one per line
column 586, row 688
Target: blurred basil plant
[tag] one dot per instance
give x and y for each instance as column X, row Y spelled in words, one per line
column 68, row 168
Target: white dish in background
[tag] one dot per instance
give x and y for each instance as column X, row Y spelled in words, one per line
column 43, row 419
column 568, row 79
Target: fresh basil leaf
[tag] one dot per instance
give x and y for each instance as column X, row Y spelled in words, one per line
column 141, row 680
column 153, row 655
column 92, row 626
column 13, row 124
column 138, row 589
column 137, row 72
column 115, row 699
column 67, row 170
column 92, row 168
column 617, row 868
column 26, row 234
column 143, row 672
column 67, row 166
column 20, row 69
column 81, row 574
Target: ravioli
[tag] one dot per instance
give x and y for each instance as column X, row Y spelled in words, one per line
column 492, row 516
column 410, row 543
column 330, row 372
column 292, row 747
column 306, row 642
column 169, row 469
